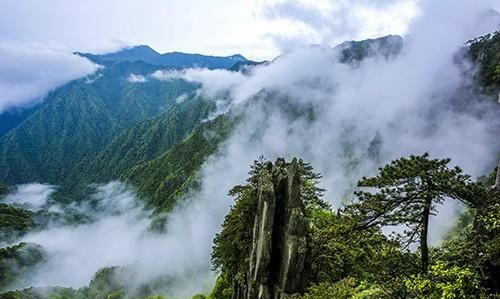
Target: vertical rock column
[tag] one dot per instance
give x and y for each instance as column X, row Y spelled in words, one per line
column 293, row 237
column 260, row 256
column 280, row 235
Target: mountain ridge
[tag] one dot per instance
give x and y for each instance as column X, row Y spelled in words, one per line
column 170, row 59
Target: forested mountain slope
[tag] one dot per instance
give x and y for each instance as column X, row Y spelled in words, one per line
column 485, row 51
column 12, row 118
column 144, row 141
column 79, row 119
column 166, row 179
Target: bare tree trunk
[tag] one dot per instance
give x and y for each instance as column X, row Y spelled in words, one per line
column 424, row 247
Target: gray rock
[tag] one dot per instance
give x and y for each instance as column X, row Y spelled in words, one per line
column 280, row 246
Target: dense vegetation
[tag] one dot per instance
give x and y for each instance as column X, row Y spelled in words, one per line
column 12, row 118
column 14, row 222
column 3, row 190
column 164, row 180
column 81, row 118
column 485, row 51
column 144, row 142
column 17, row 261
column 352, row 258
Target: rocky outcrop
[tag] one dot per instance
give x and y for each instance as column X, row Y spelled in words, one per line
column 279, row 252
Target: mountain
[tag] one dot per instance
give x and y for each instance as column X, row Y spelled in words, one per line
column 173, row 59
column 80, row 118
column 162, row 181
column 355, row 51
column 485, row 52
column 144, row 141
column 95, row 129
column 12, row 118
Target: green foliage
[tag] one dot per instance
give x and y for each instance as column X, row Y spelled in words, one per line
column 485, row 51
column 164, row 180
column 351, row 258
column 14, row 222
column 16, row 261
column 222, row 289
column 3, row 190
column 348, row 288
column 408, row 190
column 489, row 242
column 80, row 119
column 231, row 247
column 106, row 284
column 356, row 51
column 340, row 251
column 343, row 289
column 445, row 282
column 45, row 293
column 143, row 142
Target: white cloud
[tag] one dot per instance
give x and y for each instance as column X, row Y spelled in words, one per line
column 33, row 196
column 133, row 78
column 330, row 23
column 216, row 27
column 28, row 72
column 228, row 27
column 119, row 236
column 214, row 82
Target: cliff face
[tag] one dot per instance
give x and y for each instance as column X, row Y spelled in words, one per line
column 279, row 252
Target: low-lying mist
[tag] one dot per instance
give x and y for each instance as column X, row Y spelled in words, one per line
column 116, row 234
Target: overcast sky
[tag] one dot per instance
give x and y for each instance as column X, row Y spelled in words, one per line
column 37, row 37
column 259, row 29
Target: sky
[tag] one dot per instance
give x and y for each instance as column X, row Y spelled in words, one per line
column 258, row 29
column 37, row 38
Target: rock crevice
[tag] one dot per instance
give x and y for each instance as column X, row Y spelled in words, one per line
column 280, row 245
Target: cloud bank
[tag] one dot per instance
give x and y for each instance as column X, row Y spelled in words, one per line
column 117, row 235
column 29, row 72
column 32, row 196
column 332, row 22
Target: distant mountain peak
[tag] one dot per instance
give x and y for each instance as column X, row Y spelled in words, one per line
column 387, row 46
column 238, row 57
column 172, row 59
column 140, row 48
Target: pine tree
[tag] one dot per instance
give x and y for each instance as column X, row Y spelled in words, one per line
column 407, row 192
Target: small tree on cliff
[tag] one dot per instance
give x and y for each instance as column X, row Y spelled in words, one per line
column 407, row 192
